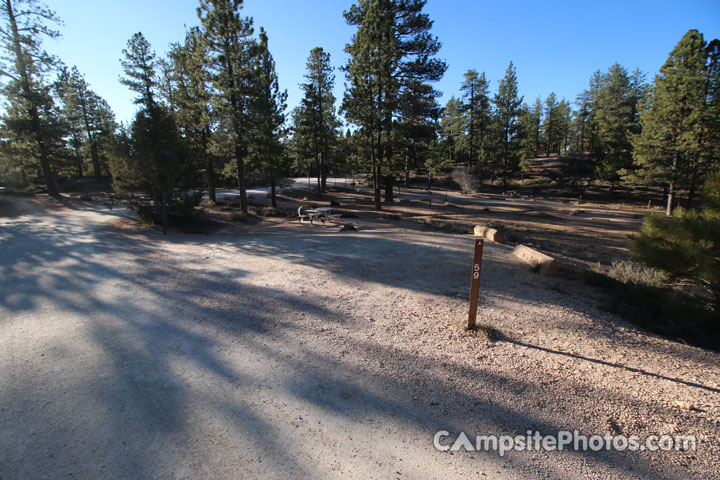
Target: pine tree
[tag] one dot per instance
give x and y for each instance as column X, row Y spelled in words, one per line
column 419, row 114
column 452, row 127
column 507, row 108
column 586, row 119
column 71, row 119
column 230, row 48
column 139, row 68
column 688, row 244
column 550, row 124
column 371, row 99
column 267, row 116
column 317, row 121
column 29, row 118
column 669, row 148
column 91, row 120
column 157, row 164
column 615, row 118
column 535, row 130
column 418, row 110
column 193, row 97
column 435, row 159
column 391, row 49
column 299, row 144
column 475, row 90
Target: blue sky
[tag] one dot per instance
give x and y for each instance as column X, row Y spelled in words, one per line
column 555, row 45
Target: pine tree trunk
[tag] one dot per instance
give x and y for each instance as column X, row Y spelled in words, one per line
column 79, row 164
column 693, row 188
column 209, row 165
column 376, row 188
column 389, row 186
column 324, row 174
column 229, row 48
column 95, row 160
column 241, row 182
column 407, row 171
column 471, row 132
column 377, row 171
column 210, row 177
column 163, row 213
column 91, row 139
column 505, row 165
column 670, row 199
column 318, row 161
column 671, row 186
column 273, row 196
column 47, row 170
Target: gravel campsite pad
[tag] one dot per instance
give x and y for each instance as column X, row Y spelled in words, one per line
column 282, row 350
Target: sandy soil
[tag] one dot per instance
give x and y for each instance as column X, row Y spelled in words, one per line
column 279, row 350
column 561, row 229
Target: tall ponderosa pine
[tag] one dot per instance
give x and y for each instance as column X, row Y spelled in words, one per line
column 475, row 92
column 507, row 110
column 299, row 146
column 452, row 128
column 586, row 115
column 371, row 99
column 551, row 124
column 193, row 97
column 418, row 110
column 89, row 116
column 267, row 116
column 317, row 122
column 391, row 49
column 418, row 126
column 534, row 125
column 615, row 119
column 556, row 124
column 674, row 139
column 30, row 117
column 230, row 48
column 139, row 68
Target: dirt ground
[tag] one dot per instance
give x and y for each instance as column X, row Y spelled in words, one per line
column 579, row 233
column 271, row 349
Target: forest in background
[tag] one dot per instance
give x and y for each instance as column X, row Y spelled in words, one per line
column 211, row 113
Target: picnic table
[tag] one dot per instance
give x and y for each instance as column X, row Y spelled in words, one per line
column 324, row 214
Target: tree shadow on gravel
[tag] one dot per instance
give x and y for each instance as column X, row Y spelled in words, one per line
column 612, row 364
column 157, row 362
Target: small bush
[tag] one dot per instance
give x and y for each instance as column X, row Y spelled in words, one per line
column 631, row 273
column 465, row 180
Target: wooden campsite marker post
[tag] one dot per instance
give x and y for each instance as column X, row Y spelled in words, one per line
column 475, row 283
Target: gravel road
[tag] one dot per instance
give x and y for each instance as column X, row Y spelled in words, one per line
column 281, row 350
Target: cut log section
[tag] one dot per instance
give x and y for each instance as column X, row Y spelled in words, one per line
column 489, row 234
column 544, row 263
